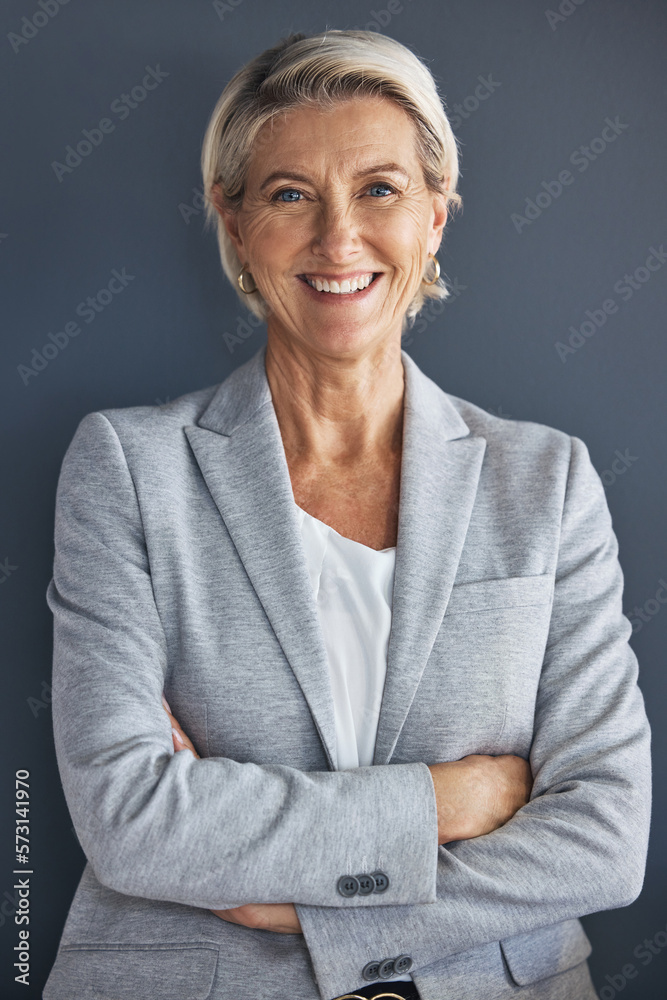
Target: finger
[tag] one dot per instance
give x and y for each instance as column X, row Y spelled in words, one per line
column 280, row 918
column 229, row 916
column 178, row 737
column 180, row 740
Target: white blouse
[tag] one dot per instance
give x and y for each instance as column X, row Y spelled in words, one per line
column 353, row 586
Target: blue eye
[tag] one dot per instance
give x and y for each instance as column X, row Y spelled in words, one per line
column 385, row 187
column 291, row 193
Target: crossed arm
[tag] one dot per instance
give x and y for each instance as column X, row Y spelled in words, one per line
column 474, row 796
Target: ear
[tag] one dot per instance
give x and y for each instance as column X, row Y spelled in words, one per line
column 438, row 220
column 230, row 220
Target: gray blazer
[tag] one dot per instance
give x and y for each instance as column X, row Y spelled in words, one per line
column 179, row 566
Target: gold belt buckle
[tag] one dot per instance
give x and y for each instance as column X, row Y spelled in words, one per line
column 378, row 996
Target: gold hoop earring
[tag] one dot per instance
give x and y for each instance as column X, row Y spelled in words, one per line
column 437, row 270
column 246, row 291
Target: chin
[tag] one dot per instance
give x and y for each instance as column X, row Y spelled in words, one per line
column 338, row 340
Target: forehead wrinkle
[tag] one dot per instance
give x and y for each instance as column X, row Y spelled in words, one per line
column 355, row 160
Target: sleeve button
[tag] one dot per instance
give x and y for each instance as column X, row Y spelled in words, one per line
column 402, row 964
column 386, row 970
column 348, row 885
column 366, row 884
column 371, row 971
column 381, row 882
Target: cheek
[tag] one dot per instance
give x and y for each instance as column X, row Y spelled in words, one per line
column 272, row 242
column 400, row 236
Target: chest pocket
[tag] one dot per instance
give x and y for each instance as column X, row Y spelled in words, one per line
column 502, row 594
column 485, row 667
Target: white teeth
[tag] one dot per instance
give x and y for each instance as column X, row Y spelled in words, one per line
column 342, row 288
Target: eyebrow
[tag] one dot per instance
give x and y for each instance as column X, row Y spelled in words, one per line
column 379, row 168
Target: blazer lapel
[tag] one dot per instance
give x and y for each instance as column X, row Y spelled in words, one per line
column 238, row 446
column 239, row 449
column 440, row 469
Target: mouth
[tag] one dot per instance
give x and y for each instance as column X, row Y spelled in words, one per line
column 352, row 285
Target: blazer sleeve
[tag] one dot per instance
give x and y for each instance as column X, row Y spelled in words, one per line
column 214, row 832
column 580, row 844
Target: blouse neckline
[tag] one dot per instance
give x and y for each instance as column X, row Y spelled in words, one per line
column 351, row 541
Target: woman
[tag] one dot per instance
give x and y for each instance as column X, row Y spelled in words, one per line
column 389, row 622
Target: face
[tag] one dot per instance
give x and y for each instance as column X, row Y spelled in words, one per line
column 336, row 199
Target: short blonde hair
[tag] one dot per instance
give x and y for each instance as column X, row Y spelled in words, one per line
column 321, row 70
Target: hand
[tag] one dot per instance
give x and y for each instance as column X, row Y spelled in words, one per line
column 278, row 917
column 178, row 737
column 479, row 794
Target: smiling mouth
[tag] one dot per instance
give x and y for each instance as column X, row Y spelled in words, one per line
column 345, row 287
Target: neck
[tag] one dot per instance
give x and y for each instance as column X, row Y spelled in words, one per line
column 336, row 410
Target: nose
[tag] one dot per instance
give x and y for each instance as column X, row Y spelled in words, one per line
column 337, row 236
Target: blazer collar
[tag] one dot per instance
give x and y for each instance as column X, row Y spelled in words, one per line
column 238, row 446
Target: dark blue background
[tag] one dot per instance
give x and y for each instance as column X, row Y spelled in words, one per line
column 133, row 204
